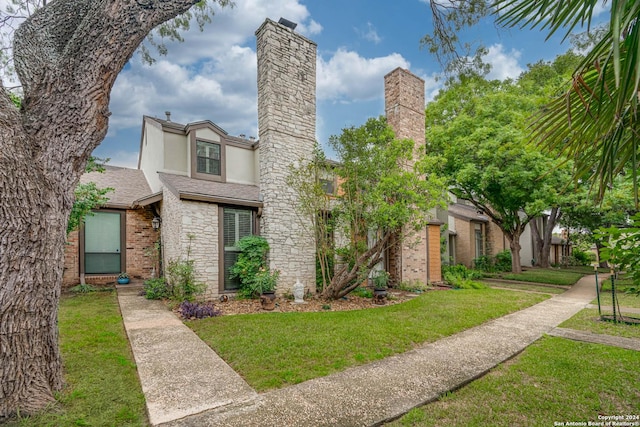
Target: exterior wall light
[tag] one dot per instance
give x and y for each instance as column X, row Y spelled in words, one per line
column 155, row 223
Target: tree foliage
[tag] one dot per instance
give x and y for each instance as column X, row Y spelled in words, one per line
column 88, row 196
column 480, row 128
column 385, row 188
column 594, row 121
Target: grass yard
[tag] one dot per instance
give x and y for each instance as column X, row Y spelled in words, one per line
column 553, row 380
column 526, row 287
column 588, row 320
column 102, row 387
column 545, row 275
column 624, row 300
column 278, row 349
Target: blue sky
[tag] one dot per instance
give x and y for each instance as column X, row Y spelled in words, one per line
column 212, row 75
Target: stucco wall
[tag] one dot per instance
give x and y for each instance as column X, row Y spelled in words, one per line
column 241, row 166
column 152, row 154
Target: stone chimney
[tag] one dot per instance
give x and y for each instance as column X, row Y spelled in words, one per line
column 418, row 257
column 287, row 127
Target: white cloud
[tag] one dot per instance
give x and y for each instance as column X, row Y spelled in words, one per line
column 369, row 34
column 349, row 77
column 504, row 65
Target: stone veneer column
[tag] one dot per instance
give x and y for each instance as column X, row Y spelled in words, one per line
column 404, row 109
column 287, row 127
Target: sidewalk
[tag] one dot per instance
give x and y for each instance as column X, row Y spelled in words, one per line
column 181, row 376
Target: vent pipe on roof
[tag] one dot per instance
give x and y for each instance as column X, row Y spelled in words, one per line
column 168, row 113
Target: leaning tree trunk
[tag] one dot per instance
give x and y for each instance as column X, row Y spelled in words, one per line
column 67, row 56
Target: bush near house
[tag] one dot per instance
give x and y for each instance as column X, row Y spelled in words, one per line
column 500, row 262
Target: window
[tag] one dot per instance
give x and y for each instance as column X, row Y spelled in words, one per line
column 479, row 241
column 208, row 158
column 236, row 224
column 327, row 186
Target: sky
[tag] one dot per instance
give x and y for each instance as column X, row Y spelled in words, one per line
column 212, row 74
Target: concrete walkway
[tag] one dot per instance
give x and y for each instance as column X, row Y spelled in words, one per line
column 181, row 376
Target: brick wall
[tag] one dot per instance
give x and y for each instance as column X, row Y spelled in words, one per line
column 464, row 243
column 418, row 257
column 496, row 242
column 140, row 242
column 139, row 236
column 71, row 275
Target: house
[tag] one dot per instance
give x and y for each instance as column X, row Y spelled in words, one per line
column 198, row 190
column 471, row 234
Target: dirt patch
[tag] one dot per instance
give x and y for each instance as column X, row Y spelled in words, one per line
column 350, row 302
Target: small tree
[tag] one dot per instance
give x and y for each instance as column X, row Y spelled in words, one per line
column 384, row 190
column 87, row 196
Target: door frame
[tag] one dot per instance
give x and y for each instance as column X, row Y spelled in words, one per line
column 123, row 243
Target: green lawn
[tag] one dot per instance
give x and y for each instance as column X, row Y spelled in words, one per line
column 624, row 300
column 102, row 387
column 553, row 380
column 588, row 320
column 543, row 275
column 279, row 349
column 527, row 287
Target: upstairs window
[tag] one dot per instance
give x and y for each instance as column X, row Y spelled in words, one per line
column 208, row 158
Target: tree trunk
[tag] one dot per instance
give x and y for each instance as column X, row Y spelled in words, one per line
column 599, row 246
column 542, row 238
column 514, row 246
column 346, row 279
column 32, row 241
column 67, row 57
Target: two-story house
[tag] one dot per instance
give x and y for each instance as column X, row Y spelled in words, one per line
column 198, row 190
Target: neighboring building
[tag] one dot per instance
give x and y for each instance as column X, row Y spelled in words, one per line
column 472, row 234
column 205, row 189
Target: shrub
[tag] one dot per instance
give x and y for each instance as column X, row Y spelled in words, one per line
column 483, row 263
column 182, row 280
column 251, row 267
column 503, row 261
column 413, row 286
column 459, row 282
column 581, row 257
column 460, row 277
column 156, row 288
column 380, row 280
column 362, row 292
column 462, row 271
column 194, row 310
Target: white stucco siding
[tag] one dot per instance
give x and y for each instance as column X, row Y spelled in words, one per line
column 152, row 155
column 241, row 166
column 175, row 153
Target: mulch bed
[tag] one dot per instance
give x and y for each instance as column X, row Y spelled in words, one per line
column 313, row 304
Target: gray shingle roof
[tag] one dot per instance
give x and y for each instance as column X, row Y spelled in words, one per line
column 198, row 189
column 470, row 213
column 129, row 185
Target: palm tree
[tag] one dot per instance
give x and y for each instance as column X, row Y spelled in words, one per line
column 595, row 121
